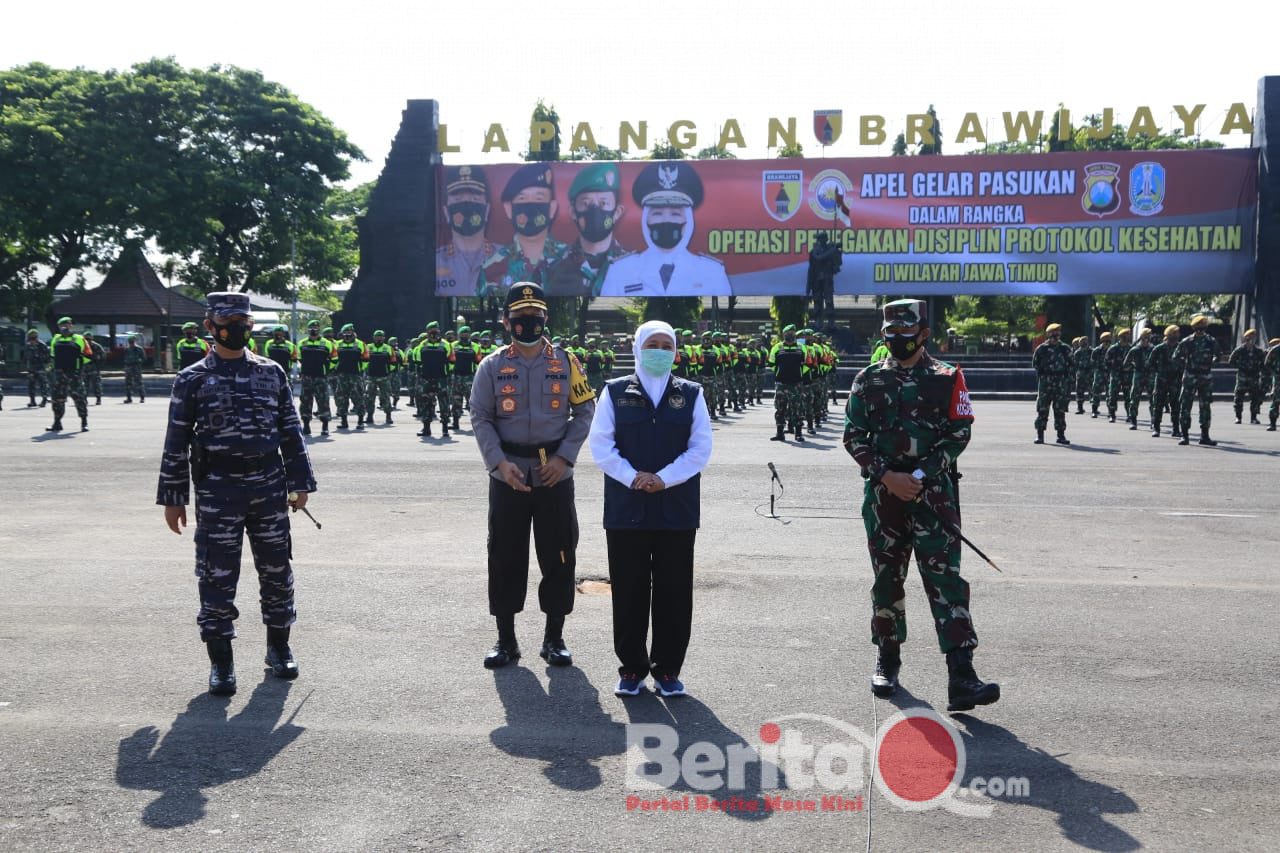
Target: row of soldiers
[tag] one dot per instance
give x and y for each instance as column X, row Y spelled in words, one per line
column 804, row 371
column 69, row 365
column 1174, row 374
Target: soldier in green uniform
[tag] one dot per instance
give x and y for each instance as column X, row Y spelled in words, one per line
column 189, row 348
column 314, row 356
column 1247, row 360
column 92, row 372
column 594, row 198
column 1271, row 369
column 280, row 349
column 69, row 352
column 397, row 370
column 466, row 355
column 907, row 421
column 1117, row 376
column 382, row 358
column 529, row 200
column 351, row 357
column 1167, row 374
column 1138, row 362
column 1081, row 363
column 594, row 365
column 789, row 363
column 486, row 346
column 434, row 358
column 1101, row 375
column 134, row 358
column 35, row 362
column 1052, row 361
column 708, row 364
column 1197, row 354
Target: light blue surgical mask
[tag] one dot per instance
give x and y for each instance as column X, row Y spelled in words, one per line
column 657, row 362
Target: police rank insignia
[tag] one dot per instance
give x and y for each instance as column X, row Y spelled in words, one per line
column 1101, row 195
column 508, row 404
column 1146, row 189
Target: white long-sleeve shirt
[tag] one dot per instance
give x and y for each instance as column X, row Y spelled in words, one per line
column 604, row 447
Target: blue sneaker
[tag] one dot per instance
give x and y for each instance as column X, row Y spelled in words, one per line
column 629, row 684
column 668, row 685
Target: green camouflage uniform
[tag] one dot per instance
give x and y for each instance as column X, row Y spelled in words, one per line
column 1138, row 362
column 68, row 354
column 1247, row 359
column 134, row 358
column 91, row 373
column 349, row 387
column 1052, row 362
column 1082, row 362
column 1197, row 353
column 789, row 364
column 465, row 358
column 1117, row 377
column 378, row 377
column 1101, row 375
column 315, row 355
column 1167, row 373
column 35, row 361
column 901, row 419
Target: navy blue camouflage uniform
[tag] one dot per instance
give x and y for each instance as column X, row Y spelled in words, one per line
column 239, row 415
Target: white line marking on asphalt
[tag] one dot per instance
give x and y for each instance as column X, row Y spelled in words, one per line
column 1207, row 515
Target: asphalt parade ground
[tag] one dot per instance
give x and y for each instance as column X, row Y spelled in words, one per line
column 1133, row 631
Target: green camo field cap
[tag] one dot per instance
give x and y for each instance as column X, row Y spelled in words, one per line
column 903, row 313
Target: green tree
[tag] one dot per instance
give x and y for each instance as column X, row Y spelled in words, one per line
column 715, row 152
column 664, row 150
column 602, row 152
column 899, row 146
column 788, row 310
column 791, row 151
column 549, row 150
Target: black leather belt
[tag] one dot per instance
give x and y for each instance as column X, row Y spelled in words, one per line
column 530, row 451
column 219, row 463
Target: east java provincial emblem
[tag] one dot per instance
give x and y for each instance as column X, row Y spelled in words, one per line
column 781, row 192
column 1101, row 193
column 1146, row 189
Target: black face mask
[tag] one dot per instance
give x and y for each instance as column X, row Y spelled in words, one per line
column 64, row 330
column 465, row 340
column 527, row 330
column 595, row 223
column 348, row 336
column 189, row 335
column 902, row 347
column 433, row 339
column 535, row 216
column 666, row 235
column 314, row 333
column 467, row 217
column 234, row 336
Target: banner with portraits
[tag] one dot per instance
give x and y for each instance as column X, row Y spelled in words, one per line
column 1065, row 223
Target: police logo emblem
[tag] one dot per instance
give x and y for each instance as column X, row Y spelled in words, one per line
column 1101, row 193
column 528, row 292
column 781, row 192
column 1146, row 189
column 676, row 401
column 555, row 404
column 508, row 405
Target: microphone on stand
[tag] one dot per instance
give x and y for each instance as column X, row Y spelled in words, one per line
column 774, row 472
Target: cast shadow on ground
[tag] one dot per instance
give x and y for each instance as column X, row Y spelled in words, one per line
column 563, row 726
column 54, row 436
column 1080, row 804
column 695, row 722
column 1229, row 447
column 204, row 749
column 1076, row 447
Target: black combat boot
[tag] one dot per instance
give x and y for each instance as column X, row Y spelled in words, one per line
column 306, row 426
column 44, row 401
column 456, row 420
column 1080, row 408
column 781, row 436
column 1155, row 430
column 1095, row 411
column 99, row 402
column 1184, row 438
column 279, row 655
column 426, row 429
column 386, row 419
column 359, row 422
column 33, row 402
column 1204, row 438
column 812, row 431
column 444, row 429
column 799, row 433
column 1039, row 437
column 506, row 650
column 324, row 427
column 84, row 424
column 884, row 682
column 1133, row 423
column 222, row 672
column 1253, row 418
column 1111, row 418
column 1272, row 428
column 964, row 688
column 344, row 424
column 128, row 400
column 142, row 398
column 57, row 425
column 1062, row 437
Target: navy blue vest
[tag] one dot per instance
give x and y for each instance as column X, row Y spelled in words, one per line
column 650, row 439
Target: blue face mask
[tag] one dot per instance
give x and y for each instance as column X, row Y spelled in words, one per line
column 657, row 362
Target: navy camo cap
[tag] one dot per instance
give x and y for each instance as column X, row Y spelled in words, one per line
column 229, row 305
